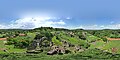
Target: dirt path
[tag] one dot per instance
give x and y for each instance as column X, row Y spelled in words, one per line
column 3, row 38
column 111, row 39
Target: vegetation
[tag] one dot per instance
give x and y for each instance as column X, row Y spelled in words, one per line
column 63, row 44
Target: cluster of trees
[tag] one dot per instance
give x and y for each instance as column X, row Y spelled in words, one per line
column 105, row 33
column 21, row 41
column 76, row 37
column 55, row 35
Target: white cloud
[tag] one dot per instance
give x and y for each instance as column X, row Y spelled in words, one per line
column 30, row 23
column 68, row 18
column 94, row 27
column 60, row 22
column 2, row 27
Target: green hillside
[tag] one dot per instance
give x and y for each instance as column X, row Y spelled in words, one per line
column 41, row 43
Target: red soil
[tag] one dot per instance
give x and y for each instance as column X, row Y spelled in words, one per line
column 113, row 38
column 3, row 38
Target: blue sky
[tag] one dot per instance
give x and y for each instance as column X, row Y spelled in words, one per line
column 71, row 14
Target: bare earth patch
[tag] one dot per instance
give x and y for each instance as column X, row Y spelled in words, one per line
column 113, row 39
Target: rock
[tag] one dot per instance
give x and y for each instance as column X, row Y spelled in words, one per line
column 52, row 52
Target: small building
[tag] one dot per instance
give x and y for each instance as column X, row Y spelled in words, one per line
column 22, row 34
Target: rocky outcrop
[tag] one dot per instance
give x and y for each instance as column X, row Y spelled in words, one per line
column 52, row 52
column 58, row 50
column 36, row 44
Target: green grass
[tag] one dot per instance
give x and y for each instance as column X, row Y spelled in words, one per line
column 31, row 35
column 1, row 35
column 56, row 41
column 90, row 54
column 72, row 40
column 90, row 38
column 10, row 48
column 2, row 44
column 97, row 44
column 112, row 44
column 106, row 46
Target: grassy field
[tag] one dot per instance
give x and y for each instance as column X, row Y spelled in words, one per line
column 90, row 54
column 91, row 38
column 93, row 48
column 9, row 48
column 73, row 40
column 112, row 44
column 2, row 44
column 106, row 46
column 97, row 44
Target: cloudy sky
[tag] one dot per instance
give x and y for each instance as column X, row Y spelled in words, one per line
column 70, row 14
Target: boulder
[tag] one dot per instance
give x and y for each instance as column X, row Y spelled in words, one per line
column 52, row 52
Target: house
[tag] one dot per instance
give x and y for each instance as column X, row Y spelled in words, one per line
column 22, row 34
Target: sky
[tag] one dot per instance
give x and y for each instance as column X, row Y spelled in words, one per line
column 70, row 14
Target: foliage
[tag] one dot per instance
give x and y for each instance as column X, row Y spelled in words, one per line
column 94, row 42
column 19, row 42
column 56, row 41
column 91, row 54
column 112, row 44
column 97, row 44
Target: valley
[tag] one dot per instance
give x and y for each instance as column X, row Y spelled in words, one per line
column 59, row 44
